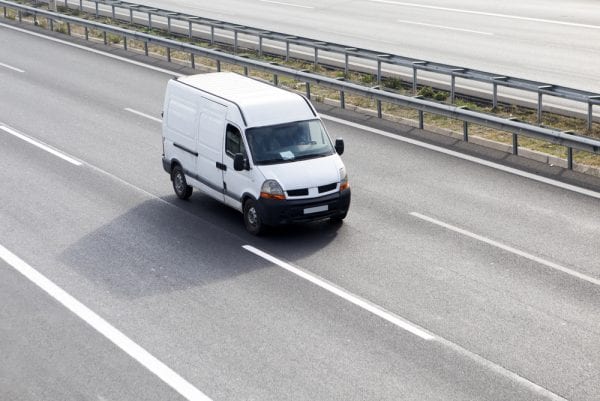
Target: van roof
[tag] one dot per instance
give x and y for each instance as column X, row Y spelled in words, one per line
column 260, row 103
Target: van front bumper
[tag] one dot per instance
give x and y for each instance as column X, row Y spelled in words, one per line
column 274, row 212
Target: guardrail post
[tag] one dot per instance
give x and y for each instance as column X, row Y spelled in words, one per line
column 97, row 13
column 570, row 158
column 452, row 88
column 414, row 65
column 515, row 144
column 346, row 66
column 342, row 94
column 378, row 72
column 149, row 20
column 168, row 54
column 235, row 42
column 275, row 80
column 590, row 118
column 212, row 35
column 287, row 50
column 5, row 15
column 465, row 131
column 51, row 24
column 193, row 60
column 316, row 58
column 540, row 105
column 308, row 90
column 191, row 31
column 495, row 97
column 20, row 17
column 146, row 47
column 80, row 5
column 87, row 33
column 539, row 108
column 105, row 39
column 113, row 11
column 124, row 42
column 218, row 65
column 414, row 86
column 260, row 43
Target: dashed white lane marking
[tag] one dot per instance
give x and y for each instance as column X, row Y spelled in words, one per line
column 445, row 27
column 510, row 249
column 340, row 292
column 10, row 67
column 138, row 353
column 488, row 14
column 41, row 145
column 139, row 113
column 287, row 4
column 408, row 326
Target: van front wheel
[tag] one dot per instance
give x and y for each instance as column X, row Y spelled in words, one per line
column 180, row 186
column 252, row 218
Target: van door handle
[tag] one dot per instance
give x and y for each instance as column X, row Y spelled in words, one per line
column 221, row 166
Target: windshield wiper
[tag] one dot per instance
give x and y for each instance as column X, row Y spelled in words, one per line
column 273, row 161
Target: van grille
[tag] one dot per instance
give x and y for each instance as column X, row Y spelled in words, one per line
column 298, row 192
column 327, row 188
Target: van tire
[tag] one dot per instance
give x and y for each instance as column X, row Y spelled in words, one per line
column 252, row 218
column 180, row 186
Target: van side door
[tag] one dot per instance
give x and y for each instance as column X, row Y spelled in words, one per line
column 211, row 132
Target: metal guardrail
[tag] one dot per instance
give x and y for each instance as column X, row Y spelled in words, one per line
column 516, row 128
column 416, row 65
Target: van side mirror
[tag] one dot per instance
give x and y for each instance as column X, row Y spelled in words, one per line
column 240, row 162
column 339, row 146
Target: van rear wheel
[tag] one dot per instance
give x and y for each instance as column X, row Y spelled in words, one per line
column 252, row 218
column 180, row 186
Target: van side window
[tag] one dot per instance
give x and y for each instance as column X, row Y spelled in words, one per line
column 233, row 141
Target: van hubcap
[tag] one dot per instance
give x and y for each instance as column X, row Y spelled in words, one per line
column 179, row 182
column 252, row 216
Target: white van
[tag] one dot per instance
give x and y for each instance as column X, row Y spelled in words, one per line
column 255, row 147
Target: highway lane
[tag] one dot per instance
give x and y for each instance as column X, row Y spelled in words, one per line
column 477, row 300
column 553, row 42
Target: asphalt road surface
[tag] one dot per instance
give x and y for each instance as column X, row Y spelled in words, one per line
column 451, row 279
column 556, row 42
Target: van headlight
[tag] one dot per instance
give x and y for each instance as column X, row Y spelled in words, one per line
column 272, row 190
column 344, row 184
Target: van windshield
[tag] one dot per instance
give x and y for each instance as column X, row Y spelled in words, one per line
column 289, row 142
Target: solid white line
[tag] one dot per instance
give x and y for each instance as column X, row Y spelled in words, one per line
column 340, row 292
column 138, row 353
column 139, row 113
column 11, row 67
column 458, row 155
column 286, row 4
column 139, row 64
column 510, row 249
column 456, row 10
column 41, row 145
column 445, row 27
